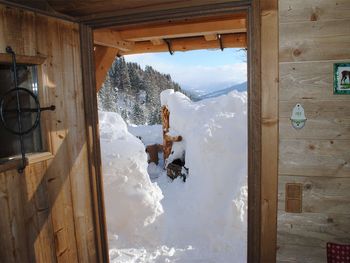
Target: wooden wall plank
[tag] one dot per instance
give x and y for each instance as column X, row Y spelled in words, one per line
column 314, row 165
column 99, row 9
column 314, row 35
column 59, row 184
column 334, row 193
column 17, row 30
column 56, row 200
column 292, row 11
column 80, row 183
column 309, row 147
column 93, row 143
column 317, row 109
column 315, row 41
column 13, row 245
column 320, row 128
column 36, row 206
column 313, row 229
column 300, row 254
column 307, row 80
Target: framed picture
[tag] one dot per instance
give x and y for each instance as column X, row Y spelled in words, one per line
column 341, row 78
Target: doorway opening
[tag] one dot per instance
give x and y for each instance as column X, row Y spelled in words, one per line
column 253, row 139
column 171, row 216
column 191, row 200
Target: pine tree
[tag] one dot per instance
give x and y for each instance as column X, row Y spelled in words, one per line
column 134, row 93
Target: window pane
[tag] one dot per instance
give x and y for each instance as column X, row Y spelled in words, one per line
column 10, row 143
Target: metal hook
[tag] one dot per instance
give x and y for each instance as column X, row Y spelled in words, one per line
column 220, row 41
column 167, row 41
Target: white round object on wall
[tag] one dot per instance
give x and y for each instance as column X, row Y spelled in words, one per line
column 298, row 118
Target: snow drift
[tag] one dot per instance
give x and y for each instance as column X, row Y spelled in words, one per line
column 132, row 200
column 211, row 207
column 204, row 219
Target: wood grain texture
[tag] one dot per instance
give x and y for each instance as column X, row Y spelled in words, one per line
column 79, row 8
column 313, row 229
column 308, row 81
column 93, row 144
column 313, row 35
column 104, row 57
column 110, row 38
column 13, row 229
column 254, row 136
column 315, row 41
column 292, row 11
column 320, row 194
column 237, row 40
column 178, row 30
column 39, row 230
column 55, row 199
column 308, row 158
column 300, row 254
column 269, row 128
column 317, row 109
column 320, row 128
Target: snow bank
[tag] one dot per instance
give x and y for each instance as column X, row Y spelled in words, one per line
column 132, row 200
column 149, row 134
column 211, row 207
column 204, row 219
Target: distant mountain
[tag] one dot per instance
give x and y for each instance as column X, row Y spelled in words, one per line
column 238, row 87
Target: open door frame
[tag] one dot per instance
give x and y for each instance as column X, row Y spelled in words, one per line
column 262, row 116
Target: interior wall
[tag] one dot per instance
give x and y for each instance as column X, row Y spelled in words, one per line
column 46, row 213
column 314, row 34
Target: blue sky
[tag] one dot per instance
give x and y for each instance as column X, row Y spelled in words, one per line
column 202, row 70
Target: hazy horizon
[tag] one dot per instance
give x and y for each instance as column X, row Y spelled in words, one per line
column 200, row 71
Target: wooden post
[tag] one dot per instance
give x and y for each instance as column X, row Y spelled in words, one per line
column 167, row 139
column 104, row 57
column 165, row 122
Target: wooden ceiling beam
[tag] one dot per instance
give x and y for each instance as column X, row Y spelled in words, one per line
column 157, row 41
column 211, row 37
column 185, row 30
column 110, row 38
column 104, row 57
column 238, row 40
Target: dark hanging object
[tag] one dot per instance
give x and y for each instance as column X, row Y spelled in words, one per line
column 220, row 42
column 18, row 110
column 168, row 43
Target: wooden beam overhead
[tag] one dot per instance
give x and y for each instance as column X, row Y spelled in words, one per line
column 104, row 57
column 110, row 38
column 184, row 30
column 238, row 40
column 157, row 42
column 211, row 37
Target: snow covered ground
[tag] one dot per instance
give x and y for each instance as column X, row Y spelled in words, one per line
column 160, row 220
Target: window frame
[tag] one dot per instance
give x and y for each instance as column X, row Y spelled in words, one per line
column 14, row 161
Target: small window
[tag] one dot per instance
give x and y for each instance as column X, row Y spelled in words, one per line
column 28, row 79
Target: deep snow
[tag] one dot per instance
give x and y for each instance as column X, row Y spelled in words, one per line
column 201, row 220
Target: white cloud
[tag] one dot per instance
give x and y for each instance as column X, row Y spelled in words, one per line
column 206, row 78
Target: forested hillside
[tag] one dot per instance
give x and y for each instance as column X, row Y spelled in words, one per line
column 134, row 92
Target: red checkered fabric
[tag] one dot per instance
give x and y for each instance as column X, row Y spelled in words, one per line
column 337, row 253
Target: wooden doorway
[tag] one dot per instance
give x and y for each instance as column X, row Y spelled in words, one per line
column 262, row 113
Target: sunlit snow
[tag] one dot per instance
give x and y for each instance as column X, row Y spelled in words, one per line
column 151, row 218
